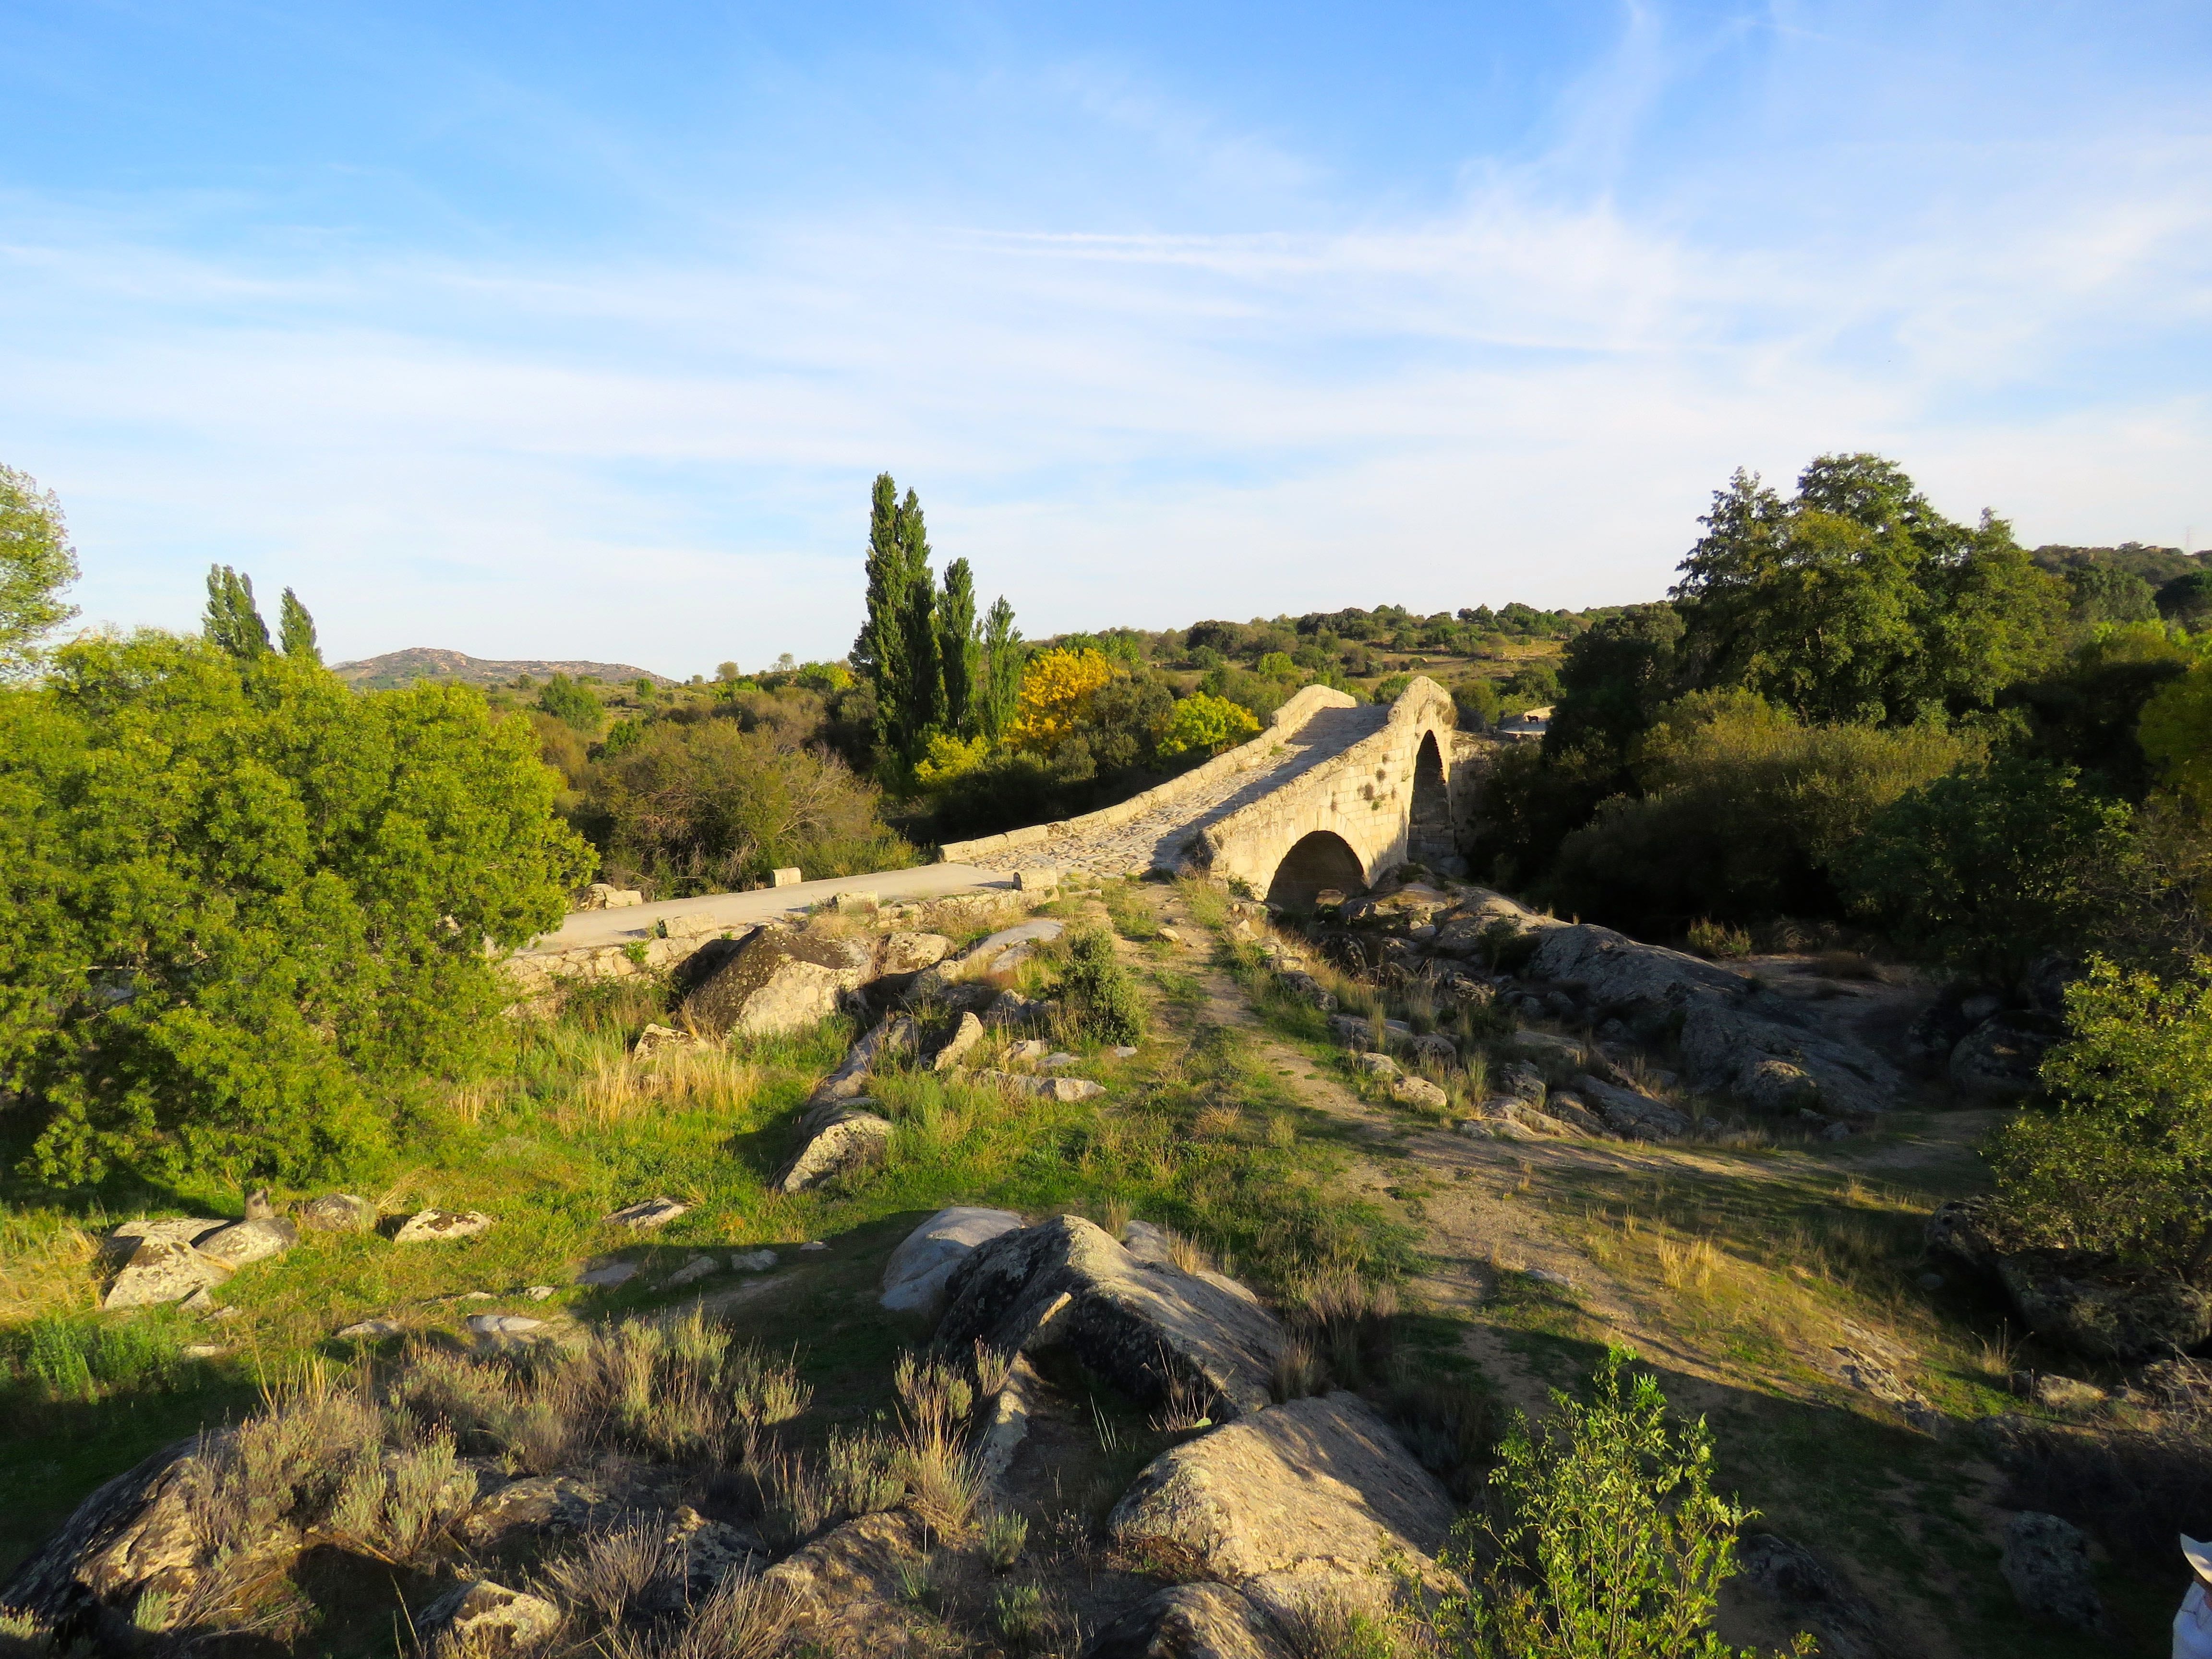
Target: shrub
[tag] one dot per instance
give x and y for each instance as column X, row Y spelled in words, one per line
column 2123, row 1162
column 575, row 705
column 1204, row 723
column 233, row 889
column 1057, row 690
column 1744, row 812
column 1101, row 996
column 1606, row 1540
column 1718, row 940
column 709, row 806
column 1987, row 868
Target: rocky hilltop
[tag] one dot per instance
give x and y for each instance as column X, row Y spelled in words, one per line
column 398, row 668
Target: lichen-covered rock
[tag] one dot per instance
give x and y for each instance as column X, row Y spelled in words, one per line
column 1065, row 1283
column 910, row 953
column 847, row 1588
column 544, row 1505
column 485, row 1621
column 1308, row 989
column 2046, row 1562
column 137, row 1532
column 914, row 1276
column 837, row 1138
column 437, row 1226
column 123, row 1241
column 163, row 1270
column 339, row 1212
column 1418, row 1092
column 249, row 1241
column 777, row 980
column 1190, row 1621
column 1312, row 1497
column 948, row 1054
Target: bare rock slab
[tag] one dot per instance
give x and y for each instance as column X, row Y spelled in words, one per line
column 837, row 1137
column 1190, row 1621
column 1144, row 1327
column 1308, row 1496
column 777, row 980
column 2046, row 1562
column 914, row 1276
column 437, row 1226
column 163, row 1270
column 120, row 1244
column 139, row 1532
column 647, row 1213
column 249, row 1241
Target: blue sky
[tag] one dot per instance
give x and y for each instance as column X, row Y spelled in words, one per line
column 567, row 331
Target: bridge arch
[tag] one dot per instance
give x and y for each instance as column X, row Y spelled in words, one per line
column 1319, row 860
column 1429, row 838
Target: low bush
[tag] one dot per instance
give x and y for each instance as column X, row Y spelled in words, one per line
column 1101, row 996
column 1604, row 1537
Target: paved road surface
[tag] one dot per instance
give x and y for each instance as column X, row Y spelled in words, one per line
column 590, row 927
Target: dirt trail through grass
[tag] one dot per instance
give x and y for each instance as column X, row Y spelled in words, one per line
column 1764, row 1284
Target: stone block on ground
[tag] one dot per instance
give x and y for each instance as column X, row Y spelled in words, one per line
column 847, row 1588
column 984, row 957
column 1376, row 1065
column 139, row 1532
column 837, row 1138
column 608, row 1274
column 755, row 1261
column 1308, row 989
column 369, row 1330
column 850, row 1080
column 778, row 980
column 2001, row 1058
column 2095, row 1307
column 122, row 1241
column 1066, row 1090
column 1067, row 1283
column 655, row 1041
column 1313, row 1497
column 163, row 1270
column 1191, row 1621
column 248, row 1241
column 698, row 1268
column 914, row 1276
column 339, row 1212
column 438, row 1226
column 1012, row 1010
column 647, row 1214
column 497, row 1324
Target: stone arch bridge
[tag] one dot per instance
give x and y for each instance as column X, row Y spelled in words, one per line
column 1334, row 793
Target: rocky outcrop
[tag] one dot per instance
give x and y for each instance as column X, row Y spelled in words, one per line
column 845, row 1588
column 1770, row 1055
column 1632, row 1115
column 914, row 1276
column 910, row 953
column 2001, row 1058
column 777, row 980
column 2096, row 1307
column 1302, row 1499
column 485, row 1621
column 2046, row 1562
column 136, row 1533
column 1190, row 1621
column 1812, row 1594
column 1144, row 1326
column 966, row 1034
column 1619, row 975
column 163, row 1270
column 837, row 1137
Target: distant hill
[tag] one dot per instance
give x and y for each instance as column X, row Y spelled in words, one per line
column 397, row 668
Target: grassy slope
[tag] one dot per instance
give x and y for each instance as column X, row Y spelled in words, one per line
column 1191, row 1134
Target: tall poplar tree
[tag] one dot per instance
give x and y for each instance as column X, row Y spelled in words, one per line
column 233, row 623
column 959, row 651
column 1003, row 655
column 296, row 628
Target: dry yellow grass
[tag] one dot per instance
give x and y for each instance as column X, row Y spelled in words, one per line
column 45, row 1265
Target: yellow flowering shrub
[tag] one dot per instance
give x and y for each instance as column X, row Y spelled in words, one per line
column 1057, row 692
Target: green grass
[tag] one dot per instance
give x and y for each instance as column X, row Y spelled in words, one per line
column 1194, row 1133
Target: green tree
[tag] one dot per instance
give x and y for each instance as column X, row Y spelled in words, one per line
column 1855, row 600
column 2176, row 734
column 236, row 897
column 1987, row 868
column 1606, row 1540
column 2187, row 599
column 233, row 623
column 566, row 700
column 1615, row 677
column 897, row 650
column 2102, row 594
column 36, row 563
column 2121, row 1164
column 959, row 648
column 1204, row 725
column 296, row 630
column 1004, row 656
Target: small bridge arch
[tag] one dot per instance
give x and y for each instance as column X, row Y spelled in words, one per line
column 1317, row 860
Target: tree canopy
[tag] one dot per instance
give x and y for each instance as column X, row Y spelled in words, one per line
column 36, row 563
column 234, row 891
